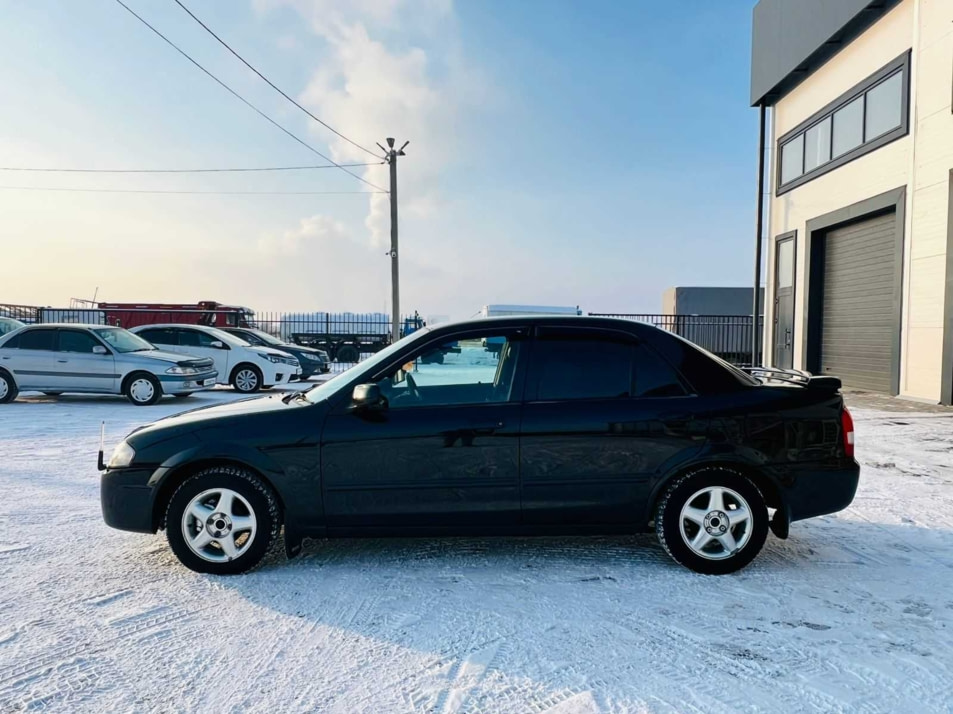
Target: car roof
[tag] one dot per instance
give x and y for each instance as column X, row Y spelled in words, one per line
column 573, row 320
column 76, row 325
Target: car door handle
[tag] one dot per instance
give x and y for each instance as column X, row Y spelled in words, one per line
column 62, row 361
column 489, row 428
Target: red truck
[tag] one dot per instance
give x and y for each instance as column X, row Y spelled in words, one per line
column 205, row 312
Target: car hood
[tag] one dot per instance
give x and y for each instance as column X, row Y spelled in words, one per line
column 218, row 415
column 181, row 360
column 268, row 351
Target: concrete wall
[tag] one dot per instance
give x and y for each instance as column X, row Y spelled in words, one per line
column 920, row 161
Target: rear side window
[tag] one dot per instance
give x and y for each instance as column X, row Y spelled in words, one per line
column 582, row 368
column 75, row 341
column 654, row 377
column 38, row 340
column 158, row 337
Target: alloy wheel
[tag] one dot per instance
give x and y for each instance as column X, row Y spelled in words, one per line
column 219, row 525
column 716, row 523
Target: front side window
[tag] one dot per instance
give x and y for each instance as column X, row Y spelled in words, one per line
column 38, row 340
column 159, row 336
column 479, row 370
column 76, row 341
column 194, row 338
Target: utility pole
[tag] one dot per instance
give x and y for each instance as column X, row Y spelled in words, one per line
column 391, row 155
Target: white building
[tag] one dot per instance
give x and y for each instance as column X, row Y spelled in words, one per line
column 860, row 257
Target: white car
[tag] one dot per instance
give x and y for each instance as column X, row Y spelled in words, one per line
column 245, row 367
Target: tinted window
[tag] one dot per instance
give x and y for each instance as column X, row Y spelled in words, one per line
column 37, row 340
column 75, row 341
column 654, row 377
column 158, row 336
column 849, row 127
column 583, row 368
column 249, row 337
column 194, row 338
column 884, row 107
column 478, row 370
column 13, row 343
column 792, row 159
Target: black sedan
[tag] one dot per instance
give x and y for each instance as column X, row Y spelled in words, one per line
column 577, row 425
column 313, row 361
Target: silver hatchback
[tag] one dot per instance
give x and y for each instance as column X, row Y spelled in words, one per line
column 96, row 359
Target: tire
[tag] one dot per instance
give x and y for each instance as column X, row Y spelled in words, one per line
column 182, row 395
column 688, row 508
column 8, row 387
column 348, row 353
column 142, row 389
column 246, row 378
column 252, row 501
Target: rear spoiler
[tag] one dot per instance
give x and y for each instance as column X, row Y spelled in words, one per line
column 795, row 376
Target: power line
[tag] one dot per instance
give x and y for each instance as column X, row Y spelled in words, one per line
column 197, row 193
column 242, row 99
column 270, row 83
column 181, row 171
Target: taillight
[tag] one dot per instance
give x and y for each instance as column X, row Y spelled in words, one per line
column 847, row 429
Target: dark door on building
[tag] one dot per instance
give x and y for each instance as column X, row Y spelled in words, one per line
column 784, row 257
column 603, row 415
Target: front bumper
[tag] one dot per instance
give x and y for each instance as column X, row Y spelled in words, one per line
column 127, row 500
column 820, row 490
column 182, row 383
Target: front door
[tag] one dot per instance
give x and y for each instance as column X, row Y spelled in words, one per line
column 83, row 369
column 196, row 343
column 784, row 302
column 604, row 414
column 441, row 451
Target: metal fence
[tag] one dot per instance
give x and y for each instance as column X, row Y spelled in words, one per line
column 728, row 336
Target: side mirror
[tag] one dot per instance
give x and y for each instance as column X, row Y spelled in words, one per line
column 367, row 396
column 217, row 344
column 100, row 350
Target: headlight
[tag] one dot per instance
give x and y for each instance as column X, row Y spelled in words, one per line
column 182, row 370
column 122, row 456
column 310, row 357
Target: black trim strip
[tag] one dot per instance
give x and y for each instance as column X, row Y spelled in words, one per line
column 38, row 373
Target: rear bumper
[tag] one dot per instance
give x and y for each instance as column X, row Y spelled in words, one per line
column 127, row 499
column 820, row 490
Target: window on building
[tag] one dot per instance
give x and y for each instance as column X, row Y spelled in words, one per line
column 868, row 116
column 817, row 144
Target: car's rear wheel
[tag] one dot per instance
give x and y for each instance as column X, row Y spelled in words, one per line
column 247, row 378
column 142, row 389
column 8, row 387
column 222, row 521
column 713, row 521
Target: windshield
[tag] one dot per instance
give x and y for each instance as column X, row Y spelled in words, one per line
column 227, row 337
column 322, row 391
column 8, row 324
column 122, row 340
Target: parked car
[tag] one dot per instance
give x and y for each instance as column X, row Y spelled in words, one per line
column 582, row 425
column 313, row 361
column 58, row 358
column 8, row 324
column 246, row 367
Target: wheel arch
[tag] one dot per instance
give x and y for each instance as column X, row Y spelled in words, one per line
column 769, row 488
column 177, row 475
column 133, row 373
column 245, row 363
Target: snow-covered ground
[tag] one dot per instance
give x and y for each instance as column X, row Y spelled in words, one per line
column 854, row 613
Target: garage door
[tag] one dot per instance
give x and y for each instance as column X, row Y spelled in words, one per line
column 859, row 320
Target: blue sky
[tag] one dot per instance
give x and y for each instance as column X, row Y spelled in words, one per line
column 561, row 152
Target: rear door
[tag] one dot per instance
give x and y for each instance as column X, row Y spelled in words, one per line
column 34, row 362
column 83, row 369
column 604, row 413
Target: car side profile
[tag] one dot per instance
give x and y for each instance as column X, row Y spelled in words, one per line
column 96, row 359
column 246, row 367
column 312, row 360
column 574, row 425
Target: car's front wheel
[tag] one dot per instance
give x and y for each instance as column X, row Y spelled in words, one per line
column 247, row 378
column 8, row 388
column 142, row 389
column 713, row 521
column 222, row 521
